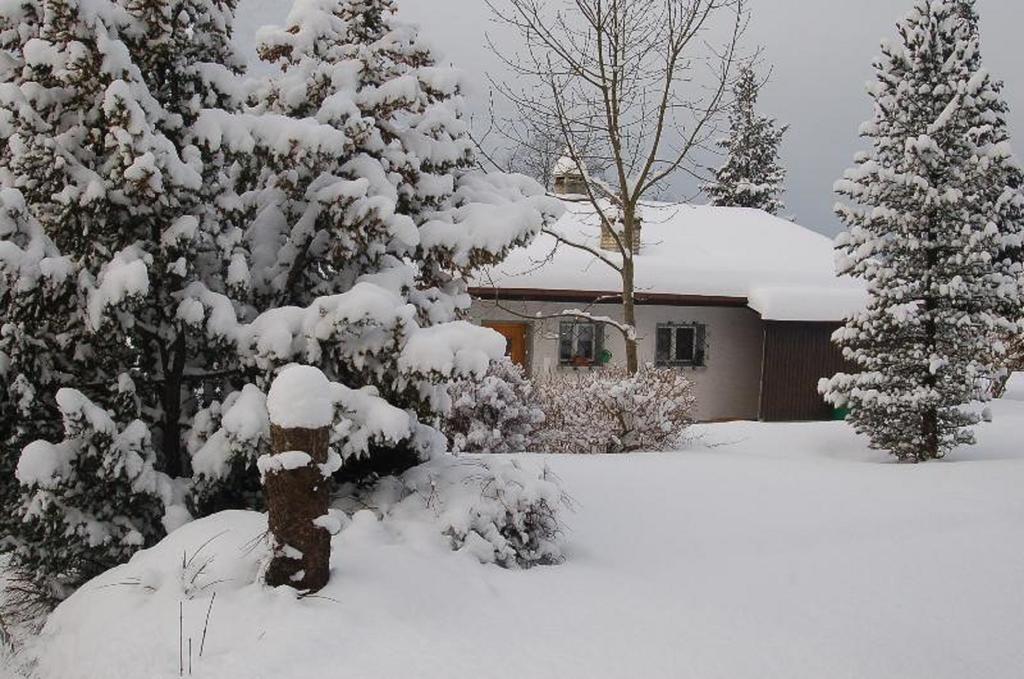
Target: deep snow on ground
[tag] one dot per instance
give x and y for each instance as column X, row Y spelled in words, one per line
column 760, row 551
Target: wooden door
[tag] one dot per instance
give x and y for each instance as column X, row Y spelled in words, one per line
column 796, row 356
column 515, row 335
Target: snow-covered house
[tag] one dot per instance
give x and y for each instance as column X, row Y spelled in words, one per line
column 743, row 301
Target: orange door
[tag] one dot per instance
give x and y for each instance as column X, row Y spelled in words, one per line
column 515, row 335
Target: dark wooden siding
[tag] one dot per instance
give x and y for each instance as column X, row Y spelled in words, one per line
column 796, row 356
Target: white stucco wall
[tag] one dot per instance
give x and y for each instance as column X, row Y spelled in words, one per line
column 727, row 387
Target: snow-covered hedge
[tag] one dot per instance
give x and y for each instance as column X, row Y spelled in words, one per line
column 610, row 411
column 498, row 414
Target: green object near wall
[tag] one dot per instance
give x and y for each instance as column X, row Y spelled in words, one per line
column 605, row 357
column 840, row 414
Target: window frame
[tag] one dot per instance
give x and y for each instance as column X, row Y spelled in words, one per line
column 577, row 360
column 699, row 356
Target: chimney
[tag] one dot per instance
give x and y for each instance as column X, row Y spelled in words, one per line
column 608, row 239
column 570, row 182
column 567, row 178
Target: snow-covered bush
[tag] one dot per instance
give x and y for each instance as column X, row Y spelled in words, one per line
column 501, row 511
column 225, row 442
column 92, row 500
column 611, row 411
column 498, row 414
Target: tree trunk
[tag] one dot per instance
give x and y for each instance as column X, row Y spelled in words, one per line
column 930, row 429
column 629, row 317
column 295, row 499
column 174, row 371
column 630, row 232
column 930, row 419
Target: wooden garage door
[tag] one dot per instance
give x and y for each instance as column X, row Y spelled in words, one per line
column 796, row 357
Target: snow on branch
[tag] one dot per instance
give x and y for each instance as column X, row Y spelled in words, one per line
column 456, row 349
column 493, row 212
column 244, row 133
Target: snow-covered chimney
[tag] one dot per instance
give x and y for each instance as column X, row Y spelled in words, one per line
column 567, row 178
column 570, row 182
column 609, row 242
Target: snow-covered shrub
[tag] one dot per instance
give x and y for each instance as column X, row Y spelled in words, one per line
column 501, row 511
column 498, row 414
column 611, row 411
column 225, row 442
column 92, row 500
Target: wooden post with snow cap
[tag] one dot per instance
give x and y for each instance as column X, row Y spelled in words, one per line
column 295, row 478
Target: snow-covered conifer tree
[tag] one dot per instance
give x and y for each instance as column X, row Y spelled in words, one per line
column 107, row 221
column 934, row 228
column 752, row 175
column 363, row 212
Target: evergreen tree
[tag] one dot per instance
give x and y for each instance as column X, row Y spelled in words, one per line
column 106, row 209
column 935, row 225
column 362, row 215
column 165, row 250
column 751, row 175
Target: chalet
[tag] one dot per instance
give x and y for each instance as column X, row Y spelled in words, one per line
column 743, row 301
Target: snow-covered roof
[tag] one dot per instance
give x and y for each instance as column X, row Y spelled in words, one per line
column 780, row 269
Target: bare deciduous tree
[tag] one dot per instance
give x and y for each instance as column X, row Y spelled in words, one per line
column 632, row 90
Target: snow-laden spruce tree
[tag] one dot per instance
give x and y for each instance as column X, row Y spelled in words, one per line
column 105, row 225
column 934, row 225
column 752, row 174
column 359, row 212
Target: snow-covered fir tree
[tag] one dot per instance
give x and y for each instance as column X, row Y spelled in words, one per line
column 361, row 214
column 165, row 250
column 106, row 224
column 752, row 175
column 935, row 225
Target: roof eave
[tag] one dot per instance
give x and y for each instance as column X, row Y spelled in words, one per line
column 605, row 297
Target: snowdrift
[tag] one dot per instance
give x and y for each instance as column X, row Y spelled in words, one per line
column 764, row 551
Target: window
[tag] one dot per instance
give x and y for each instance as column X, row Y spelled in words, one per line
column 680, row 344
column 580, row 343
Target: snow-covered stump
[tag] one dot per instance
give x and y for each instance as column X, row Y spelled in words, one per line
column 297, row 495
column 295, row 478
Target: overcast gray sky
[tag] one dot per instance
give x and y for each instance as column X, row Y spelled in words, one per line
column 821, row 51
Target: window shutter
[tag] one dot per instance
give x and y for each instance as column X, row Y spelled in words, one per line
column 700, row 352
column 663, row 345
column 565, row 332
